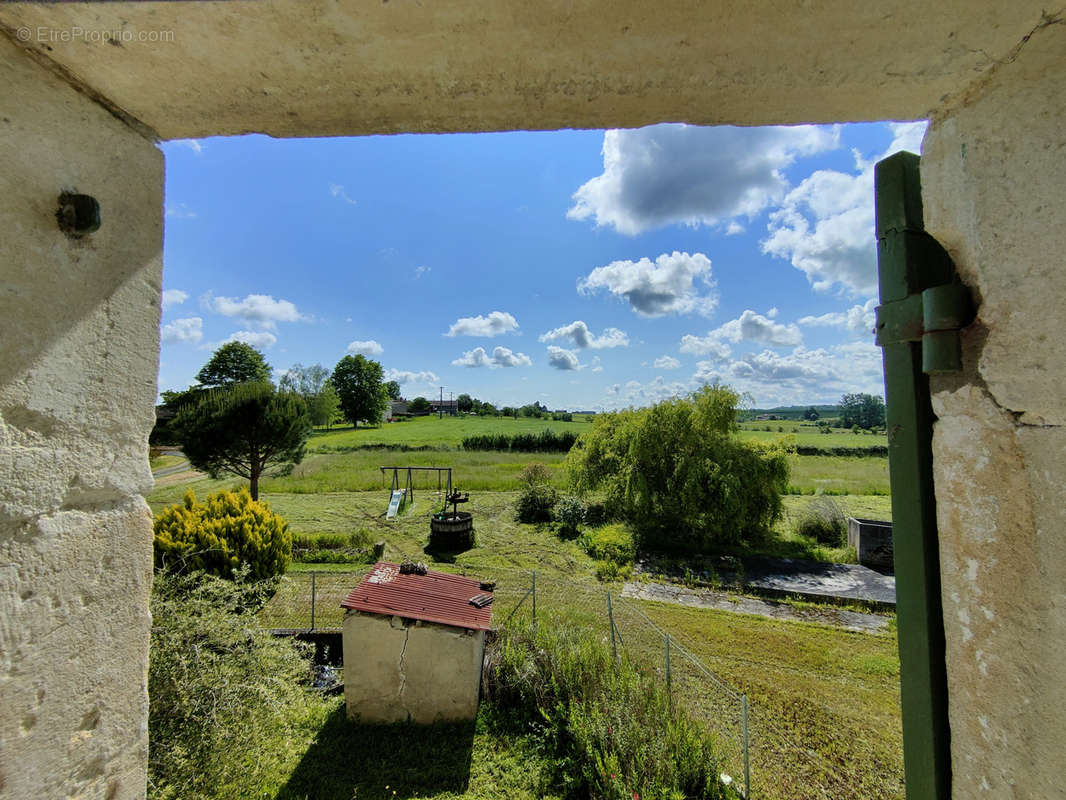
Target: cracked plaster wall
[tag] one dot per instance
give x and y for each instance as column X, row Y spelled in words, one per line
column 397, row 670
column 993, row 172
column 79, row 326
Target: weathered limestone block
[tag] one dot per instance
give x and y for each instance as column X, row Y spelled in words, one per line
column 993, row 172
column 74, row 592
column 79, row 322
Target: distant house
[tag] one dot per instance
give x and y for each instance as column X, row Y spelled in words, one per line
column 447, row 406
column 397, row 408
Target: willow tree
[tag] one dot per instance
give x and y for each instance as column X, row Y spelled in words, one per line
column 249, row 429
column 678, row 472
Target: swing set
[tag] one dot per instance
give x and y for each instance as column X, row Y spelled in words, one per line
column 399, row 497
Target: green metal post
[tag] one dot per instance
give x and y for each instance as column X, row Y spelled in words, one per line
column 911, row 261
column 312, row 601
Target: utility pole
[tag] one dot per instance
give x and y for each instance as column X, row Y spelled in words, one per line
column 440, row 408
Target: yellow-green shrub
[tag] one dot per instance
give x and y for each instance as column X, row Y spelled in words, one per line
column 217, row 536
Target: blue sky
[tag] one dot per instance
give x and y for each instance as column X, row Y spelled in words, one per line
column 581, row 269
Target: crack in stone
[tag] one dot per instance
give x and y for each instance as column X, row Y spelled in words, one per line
column 403, row 670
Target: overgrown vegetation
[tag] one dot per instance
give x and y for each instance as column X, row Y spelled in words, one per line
column 537, row 497
column 547, row 441
column 570, row 513
column 609, row 727
column 613, row 548
column 680, row 475
column 228, row 702
column 823, row 521
column 229, row 530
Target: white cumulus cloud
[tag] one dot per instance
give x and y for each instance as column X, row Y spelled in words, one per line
column 190, row 329
column 562, row 359
column 174, row 297
column 579, row 333
column 669, row 285
column 411, row 376
column 261, row 309
column 496, row 323
column 685, row 174
column 825, row 225
column 857, row 319
column 501, row 357
column 666, row 362
column 367, row 348
column 260, row 339
column 748, row 327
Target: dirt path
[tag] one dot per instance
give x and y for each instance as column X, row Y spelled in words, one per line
column 738, row 604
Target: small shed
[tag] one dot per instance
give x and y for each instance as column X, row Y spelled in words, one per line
column 414, row 645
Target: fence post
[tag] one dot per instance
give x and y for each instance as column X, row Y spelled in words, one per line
column 312, row 601
column 747, row 762
column 534, row 600
column 610, row 619
column 668, row 692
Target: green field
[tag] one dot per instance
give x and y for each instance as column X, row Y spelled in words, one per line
column 807, row 433
column 434, row 432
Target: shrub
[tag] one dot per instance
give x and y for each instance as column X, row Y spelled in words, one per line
column 612, row 543
column 226, row 697
column 609, row 728
column 537, row 497
column 570, row 512
column 547, row 441
column 679, row 474
column 823, row 521
column 227, row 530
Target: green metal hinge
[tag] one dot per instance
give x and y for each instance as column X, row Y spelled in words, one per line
column 933, row 317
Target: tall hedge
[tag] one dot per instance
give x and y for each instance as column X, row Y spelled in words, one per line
column 547, row 441
column 679, row 473
column 222, row 533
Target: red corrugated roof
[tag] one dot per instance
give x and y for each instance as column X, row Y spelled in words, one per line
column 433, row 597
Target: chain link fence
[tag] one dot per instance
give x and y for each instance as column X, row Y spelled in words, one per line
column 756, row 754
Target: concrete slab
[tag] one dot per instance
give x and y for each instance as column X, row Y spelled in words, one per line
column 739, row 604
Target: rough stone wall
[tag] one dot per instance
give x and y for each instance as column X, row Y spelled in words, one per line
column 79, row 327
column 397, row 670
column 993, row 173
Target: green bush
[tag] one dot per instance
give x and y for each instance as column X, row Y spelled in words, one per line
column 570, row 512
column 228, row 702
column 824, row 521
column 608, row 727
column 537, row 497
column 679, row 474
column 613, row 543
column 218, row 536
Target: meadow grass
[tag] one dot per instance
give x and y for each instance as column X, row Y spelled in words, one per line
column 358, row 471
column 434, row 432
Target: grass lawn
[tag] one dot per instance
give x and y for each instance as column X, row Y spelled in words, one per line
column 159, row 462
column 358, row 471
column 429, row 430
column 494, row 757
